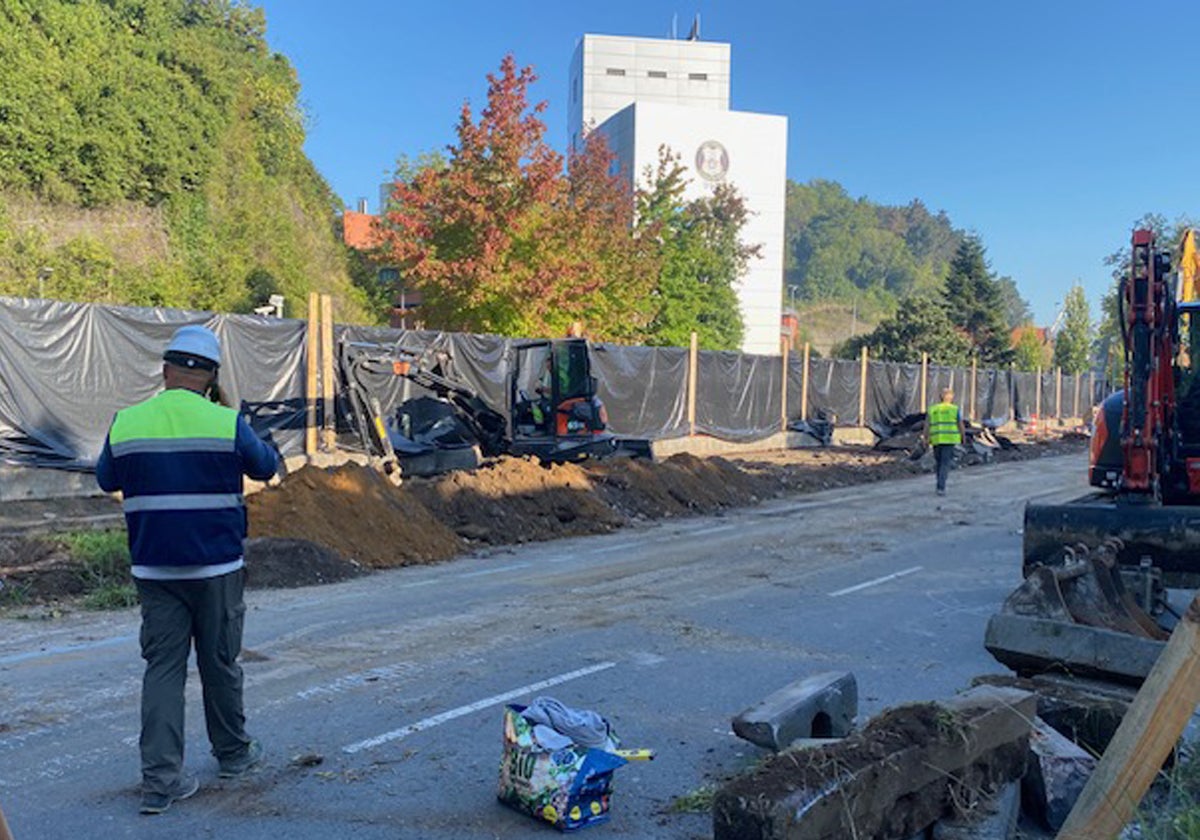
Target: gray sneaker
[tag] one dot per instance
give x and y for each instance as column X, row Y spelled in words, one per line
column 156, row 803
column 232, row 768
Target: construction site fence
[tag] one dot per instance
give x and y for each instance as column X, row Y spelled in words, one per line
column 67, row 368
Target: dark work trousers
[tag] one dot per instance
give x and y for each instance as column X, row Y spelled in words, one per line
column 943, row 453
column 175, row 613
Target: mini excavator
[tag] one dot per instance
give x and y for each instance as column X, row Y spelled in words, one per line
column 1098, row 569
column 553, row 411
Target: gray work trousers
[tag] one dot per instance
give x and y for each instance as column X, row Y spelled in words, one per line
column 210, row 612
column 943, row 454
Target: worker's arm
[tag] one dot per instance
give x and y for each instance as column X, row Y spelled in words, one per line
column 259, row 460
column 106, row 473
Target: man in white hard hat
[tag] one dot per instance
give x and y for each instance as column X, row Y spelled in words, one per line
column 178, row 458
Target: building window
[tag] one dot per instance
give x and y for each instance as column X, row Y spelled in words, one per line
column 698, row 77
column 657, row 74
column 614, row 71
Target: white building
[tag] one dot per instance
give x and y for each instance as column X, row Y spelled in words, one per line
column 644, row 93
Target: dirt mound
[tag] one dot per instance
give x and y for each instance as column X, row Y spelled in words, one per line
column 515, row 500
column 35, row 570
column 276, row 563
column 335, row 524
column 683, row 484
column 811, row 470
column 355, row 512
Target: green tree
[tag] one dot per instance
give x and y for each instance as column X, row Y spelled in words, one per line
column 1016, row 308
column 702, row 258
column 975, row 303
column 856, row 252
column 1072, row 345
column 920, row 325
column 1030, row 352
column 162, row 143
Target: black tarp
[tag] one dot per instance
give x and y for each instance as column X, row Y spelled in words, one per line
column 67, row 368
column 738, row 395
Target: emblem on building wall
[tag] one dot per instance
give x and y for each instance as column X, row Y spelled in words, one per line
column 712, row 161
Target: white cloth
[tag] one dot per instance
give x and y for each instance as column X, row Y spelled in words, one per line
column 578, row 726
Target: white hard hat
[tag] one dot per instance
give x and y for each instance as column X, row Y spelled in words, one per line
column 194, row 346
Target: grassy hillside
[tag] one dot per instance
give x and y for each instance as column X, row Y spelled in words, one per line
column 151, row 152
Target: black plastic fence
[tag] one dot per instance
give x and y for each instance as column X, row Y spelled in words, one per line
column 66, row 368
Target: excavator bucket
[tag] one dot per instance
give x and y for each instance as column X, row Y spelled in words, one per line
column 1169, row 535
column 1076, row 617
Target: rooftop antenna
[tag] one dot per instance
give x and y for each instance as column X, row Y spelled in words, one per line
column 694, row 34
column 674, row 26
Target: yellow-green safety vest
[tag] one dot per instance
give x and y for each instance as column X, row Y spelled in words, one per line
column 943, row 424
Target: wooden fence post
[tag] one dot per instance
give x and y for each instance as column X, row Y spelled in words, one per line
column 1147, row 734
column 862, row 388
column 1012, row 392
column 310, row 381
column 974, row 378
column 804, row 385
column 1075, row 410
column 328, row 420
column 1057, row 393
column 1037, row 411
column 693, row 369
column 783, row 414
column 924, row 382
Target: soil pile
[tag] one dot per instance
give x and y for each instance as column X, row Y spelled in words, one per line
column 516, row 500
column 682, row 484
column 355, row 512
column 330, row 525
column 37, row 570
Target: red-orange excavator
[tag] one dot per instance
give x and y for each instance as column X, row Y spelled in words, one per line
column 1097, row 569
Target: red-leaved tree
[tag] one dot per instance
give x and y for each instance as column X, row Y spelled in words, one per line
column 503, row 240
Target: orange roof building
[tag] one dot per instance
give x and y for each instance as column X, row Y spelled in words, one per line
column 358, row 230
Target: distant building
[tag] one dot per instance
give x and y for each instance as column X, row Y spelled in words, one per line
column 360, row 233
column 644, row 93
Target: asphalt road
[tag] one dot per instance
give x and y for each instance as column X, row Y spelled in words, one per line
column 398, row 680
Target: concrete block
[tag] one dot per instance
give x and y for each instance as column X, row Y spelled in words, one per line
column 853, row 436
column 1032, row 645
column 1058, row 770
column 19, row 484
column 994, row 819
column 820, row 706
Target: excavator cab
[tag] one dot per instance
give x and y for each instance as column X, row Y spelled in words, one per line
column 556, row 412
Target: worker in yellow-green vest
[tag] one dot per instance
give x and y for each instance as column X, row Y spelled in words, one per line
column 178, row 459
column 944, row 431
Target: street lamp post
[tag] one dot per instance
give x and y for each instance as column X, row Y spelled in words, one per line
column 42, row 276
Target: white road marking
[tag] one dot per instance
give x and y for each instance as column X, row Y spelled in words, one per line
column 875, row 582
column 495, row 700
column 784, row 511
column 715, row 529
column 605, row 549
column 494, row 571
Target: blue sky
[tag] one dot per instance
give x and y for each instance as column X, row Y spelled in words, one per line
column 1048, row 127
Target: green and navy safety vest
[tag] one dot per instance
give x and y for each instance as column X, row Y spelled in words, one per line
column 943, row 424
column 179, row 460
